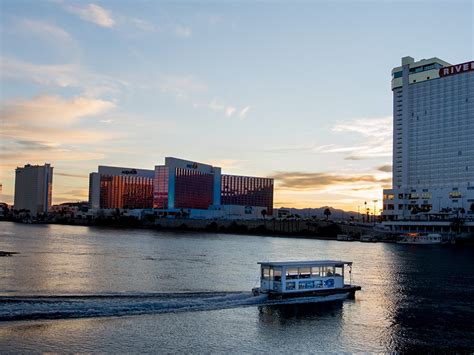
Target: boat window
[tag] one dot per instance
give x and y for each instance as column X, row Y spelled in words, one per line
column 291, row 273
column 315, row 271
column 277, row 275
column 327, row 271
column 305, row 272
column 290, row 285
column 339, row 271
column 265, row 273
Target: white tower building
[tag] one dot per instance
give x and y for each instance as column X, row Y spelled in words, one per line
column 33, row 188
column 433, row 138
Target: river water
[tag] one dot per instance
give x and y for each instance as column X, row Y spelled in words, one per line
column 85, row 289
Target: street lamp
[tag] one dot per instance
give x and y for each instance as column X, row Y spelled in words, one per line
column 374, row 201
column 366, row 211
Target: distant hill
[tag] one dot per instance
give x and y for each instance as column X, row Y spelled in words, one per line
column 319, row 212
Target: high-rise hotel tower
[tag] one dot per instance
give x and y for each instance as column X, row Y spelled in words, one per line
column 433, row 138
column 33, row 188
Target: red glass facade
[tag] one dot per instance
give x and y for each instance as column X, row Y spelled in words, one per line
column 126, row 192
column 160, row 187
column 247, row 191
column 193, row 189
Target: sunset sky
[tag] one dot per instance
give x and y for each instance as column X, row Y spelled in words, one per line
column 297, row 91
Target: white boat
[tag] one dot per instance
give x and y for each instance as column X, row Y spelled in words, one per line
column 368, row 238
column 421, row 238
column 345, row 237
column 289, row 279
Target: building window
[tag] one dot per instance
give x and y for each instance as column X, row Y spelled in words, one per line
column 454, row 194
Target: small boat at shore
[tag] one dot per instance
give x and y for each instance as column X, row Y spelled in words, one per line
column 290, row 279
column 345, row 237
column 367, row 238
column 421, row 238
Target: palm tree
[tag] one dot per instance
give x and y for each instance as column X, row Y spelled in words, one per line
column 327, row 213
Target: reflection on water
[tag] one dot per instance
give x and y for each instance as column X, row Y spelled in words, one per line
column 413, row 298
column 435, row 296
column 284, row 313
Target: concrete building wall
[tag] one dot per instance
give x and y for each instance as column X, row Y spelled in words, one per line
column 33, row 188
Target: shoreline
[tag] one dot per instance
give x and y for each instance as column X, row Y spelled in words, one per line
column 326, row 230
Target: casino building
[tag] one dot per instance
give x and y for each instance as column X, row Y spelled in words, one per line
column 247, row 191
column 115, row 187
column 186, row 184
column 181, row 186
column 433, row 139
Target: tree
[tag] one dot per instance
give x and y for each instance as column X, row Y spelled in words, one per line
column 327, row 213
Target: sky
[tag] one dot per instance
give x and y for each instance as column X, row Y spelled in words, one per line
column 298, row 91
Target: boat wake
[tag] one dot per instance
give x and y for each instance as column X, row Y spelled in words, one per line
column 20, row 308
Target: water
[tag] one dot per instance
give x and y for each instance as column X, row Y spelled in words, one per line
column 83, row 289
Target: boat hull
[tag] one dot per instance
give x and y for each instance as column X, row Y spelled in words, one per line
column 350, row 290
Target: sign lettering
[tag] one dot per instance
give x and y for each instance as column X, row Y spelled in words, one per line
column 192, row 166
column 457, row 69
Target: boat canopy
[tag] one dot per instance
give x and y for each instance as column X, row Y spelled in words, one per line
column 337, row 263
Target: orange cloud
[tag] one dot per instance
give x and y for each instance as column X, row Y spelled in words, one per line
column 43, row 110
column 312, row 181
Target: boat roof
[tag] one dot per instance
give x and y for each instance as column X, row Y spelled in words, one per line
column 305, row 263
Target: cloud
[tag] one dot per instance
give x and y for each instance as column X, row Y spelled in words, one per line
column 109, row 121
column 243, row 113
column 229, row 111
column 75, row 192
column 369, row 127
column 34, row 145
column 353, row 157
column 91, row 13
column 46, row 30
column 376, row 141
column 377, row 133
column 142, row 25
column 71, row 175
column 304, row 148
column 181, row 86
column 309, row 181
column 61, row 75
column 228, row 164
column 44, row 126
column 218, row 106
column 51, row 38
column 12, row 154
column 385, row 168
column 52, row 109
column 182, row 31
column 48, row 75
